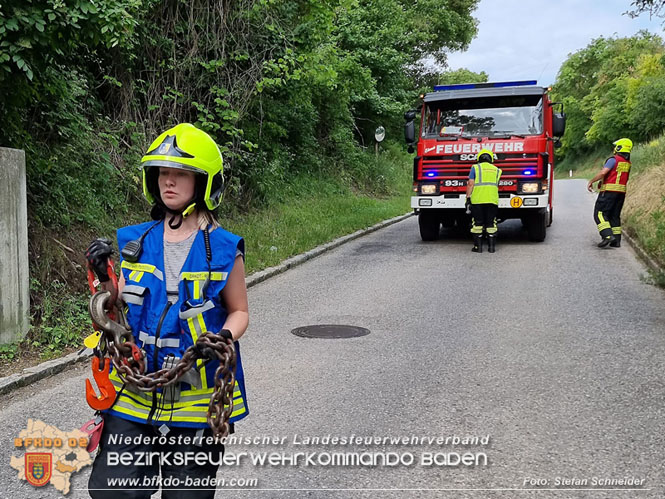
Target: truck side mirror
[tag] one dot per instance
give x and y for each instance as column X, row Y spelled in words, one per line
column 558, row 120
column 410, row 129
column 558, row 124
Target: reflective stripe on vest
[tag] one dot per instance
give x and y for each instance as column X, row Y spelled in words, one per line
column 486, row 184
column 197, row 327
column 198, row 278
column 189, row 407
column 617, row 179
column 139, row 268
column 161, row 342
column 133, row 294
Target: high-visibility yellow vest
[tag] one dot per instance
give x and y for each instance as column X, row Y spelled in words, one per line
column 486, row 184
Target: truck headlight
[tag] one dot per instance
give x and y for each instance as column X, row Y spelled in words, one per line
column 530, row 187
column 429, row 189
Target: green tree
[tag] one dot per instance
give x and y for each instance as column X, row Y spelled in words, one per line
column 392, row 39
column 599, row 86
column 462, row 75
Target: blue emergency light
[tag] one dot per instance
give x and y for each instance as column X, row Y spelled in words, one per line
column 430, row 174
column 499, row 84
column 528, row 172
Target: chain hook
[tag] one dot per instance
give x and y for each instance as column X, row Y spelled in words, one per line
column 107, row 395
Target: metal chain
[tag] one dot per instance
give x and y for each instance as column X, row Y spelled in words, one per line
column 129, row 362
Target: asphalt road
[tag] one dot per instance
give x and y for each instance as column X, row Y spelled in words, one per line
column 553, row 350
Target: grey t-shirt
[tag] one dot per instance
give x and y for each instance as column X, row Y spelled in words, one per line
column 175, row 255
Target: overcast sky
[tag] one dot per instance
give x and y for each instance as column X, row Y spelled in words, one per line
column 529, row 40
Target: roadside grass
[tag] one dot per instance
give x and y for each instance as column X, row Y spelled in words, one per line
column 304, row 222
column 310, row 210
column 302, row 213
column 644, row 210
column 655, row 278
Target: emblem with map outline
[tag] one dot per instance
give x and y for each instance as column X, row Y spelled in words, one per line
column 43, row 462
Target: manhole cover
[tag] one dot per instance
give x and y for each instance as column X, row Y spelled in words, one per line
column 331, row 331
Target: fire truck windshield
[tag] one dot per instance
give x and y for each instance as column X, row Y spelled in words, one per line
column 487, row 117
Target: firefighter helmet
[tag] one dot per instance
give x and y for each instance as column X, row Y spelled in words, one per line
column 188, row 148
column 623, row 145
column 487, row 154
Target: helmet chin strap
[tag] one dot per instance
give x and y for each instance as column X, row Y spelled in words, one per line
column 178, row 217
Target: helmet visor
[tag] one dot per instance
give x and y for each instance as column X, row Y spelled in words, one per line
column 165, row 163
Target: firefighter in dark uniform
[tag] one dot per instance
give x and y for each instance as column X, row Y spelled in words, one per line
column 613, row 180
column 482, row 191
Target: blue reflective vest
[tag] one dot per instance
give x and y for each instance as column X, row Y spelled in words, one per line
column 165, row 331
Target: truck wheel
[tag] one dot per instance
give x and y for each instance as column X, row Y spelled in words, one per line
column 429, row 225
column 463, row 224
column 447, row 222
column 537, row 226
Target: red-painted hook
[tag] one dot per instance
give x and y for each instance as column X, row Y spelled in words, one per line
column 106, row 395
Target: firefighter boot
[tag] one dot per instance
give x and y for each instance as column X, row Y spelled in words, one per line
column 491, row 243
column 477, row 243
column 617, row 241
column 606, row 241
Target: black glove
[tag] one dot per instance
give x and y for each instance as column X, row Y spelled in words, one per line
column 225, row 333
column 467, row 206
column 97, row 255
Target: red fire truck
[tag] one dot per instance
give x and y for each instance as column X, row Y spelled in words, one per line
column 516, row 121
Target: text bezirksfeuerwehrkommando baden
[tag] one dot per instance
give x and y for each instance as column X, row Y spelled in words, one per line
column 393, row 450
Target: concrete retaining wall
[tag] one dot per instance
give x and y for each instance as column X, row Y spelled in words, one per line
column 14, row 281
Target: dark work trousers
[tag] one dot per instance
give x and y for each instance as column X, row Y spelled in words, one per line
column 483, row 217
column 106, row 469
column 607, row 213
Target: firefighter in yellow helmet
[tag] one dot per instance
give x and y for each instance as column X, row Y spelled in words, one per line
column 613, row 179
column 182, row 275
column 482, row 191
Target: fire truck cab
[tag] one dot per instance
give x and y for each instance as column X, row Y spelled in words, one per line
column 516, row 121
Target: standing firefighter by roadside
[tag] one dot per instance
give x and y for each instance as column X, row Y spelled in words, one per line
column 613, row 180
column 182, row 277
column 482, row 192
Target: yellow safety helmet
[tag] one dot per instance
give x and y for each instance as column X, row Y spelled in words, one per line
column 485, row 152
column 185, row 147
column 623, row 145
